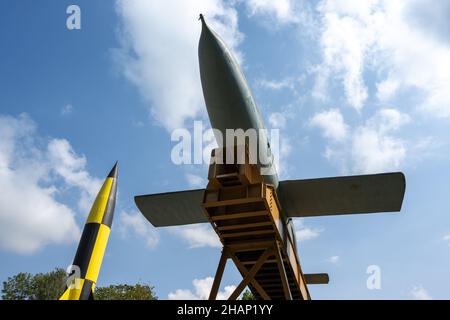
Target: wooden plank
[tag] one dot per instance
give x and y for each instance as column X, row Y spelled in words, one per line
column 238, row 215
column 268, row 261
column 248, row 233
column 231, row 202
column 246, row 263
column 272, row 286
column 244, row 226
column 250, row 245
column 284, row 280
column 219, row 274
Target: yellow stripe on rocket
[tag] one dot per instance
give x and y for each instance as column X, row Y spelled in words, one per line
column 94, row 239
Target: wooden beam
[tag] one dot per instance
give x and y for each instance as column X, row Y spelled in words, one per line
column 243, row 270
column 231, row 202
column 251, row 245
column 246, row 263
column 239, row 215
column 245, row 225
column 247, row 233
column 219, row 274
column 284, row 279
column 251, row 274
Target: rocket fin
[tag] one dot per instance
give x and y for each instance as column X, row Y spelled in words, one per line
column 317, row 278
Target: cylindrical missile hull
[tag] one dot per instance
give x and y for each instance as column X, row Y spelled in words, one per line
column 228, row 98
column 92, row 245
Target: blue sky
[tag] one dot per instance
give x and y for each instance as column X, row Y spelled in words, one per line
column 354, row 87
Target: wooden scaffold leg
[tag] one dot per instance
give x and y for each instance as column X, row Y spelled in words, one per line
column 249, row 275
column 219, row 274
column 282, row 270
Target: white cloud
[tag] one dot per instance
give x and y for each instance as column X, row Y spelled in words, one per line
column 277, row 120
column 282, row 11
column 281, row 155
column 304, row 233
column 31, row 217
column 386, row 89
column 374, row 147
column 135, row 222
column 159, row 52
column 373, row 152
column 446, row 238
column 66, row 110
column 198, row 235
column 287, row 83
column 419, row 293
column 281, row 144
column 343, row 55
column 334, row 259
column 368, row 148
column 384, row 36
column 71, row 167
column 331, row 123
column 202, row 288
column 388, row 120
column 195, row 181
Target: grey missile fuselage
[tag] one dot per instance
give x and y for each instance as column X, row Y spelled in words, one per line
column 229, row 101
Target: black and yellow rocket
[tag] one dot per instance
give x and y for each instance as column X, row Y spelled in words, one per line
column 94, row 239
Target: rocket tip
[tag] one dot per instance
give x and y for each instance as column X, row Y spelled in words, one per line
column 202, row 18
column 113, row 172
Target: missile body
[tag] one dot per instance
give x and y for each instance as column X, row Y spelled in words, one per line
column 228, row 97
column 91, row 249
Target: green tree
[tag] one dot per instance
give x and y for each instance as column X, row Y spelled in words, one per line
column 248, row 295
column 42, row 286
column 125, row 292
column 51, row 285
column 18, row 287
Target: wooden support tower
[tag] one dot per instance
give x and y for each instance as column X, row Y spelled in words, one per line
column 246, row 215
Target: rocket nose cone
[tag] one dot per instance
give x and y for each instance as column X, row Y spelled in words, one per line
column 205, row 27
column 114, row 171
column 202, row 19
column 210, row 43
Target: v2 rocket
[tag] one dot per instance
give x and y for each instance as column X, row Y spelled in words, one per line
column 91, row 249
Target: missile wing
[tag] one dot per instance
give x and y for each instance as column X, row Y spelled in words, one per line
column 172, row 208
column 298, row 198
column 92, row 245
column 342, row 195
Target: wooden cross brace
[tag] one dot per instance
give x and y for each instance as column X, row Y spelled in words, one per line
column 249, row 275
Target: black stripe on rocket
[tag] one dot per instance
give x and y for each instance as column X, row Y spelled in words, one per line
column 86, row 247
column 86, row 291
column 111, row 204
column 90, row 231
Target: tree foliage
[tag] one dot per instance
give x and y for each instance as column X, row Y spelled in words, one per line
column 51, row 285
column 248, row 295
column 125, row 292
column 41, row 286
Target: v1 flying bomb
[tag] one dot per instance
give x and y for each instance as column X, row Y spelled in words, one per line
column 230, row 105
